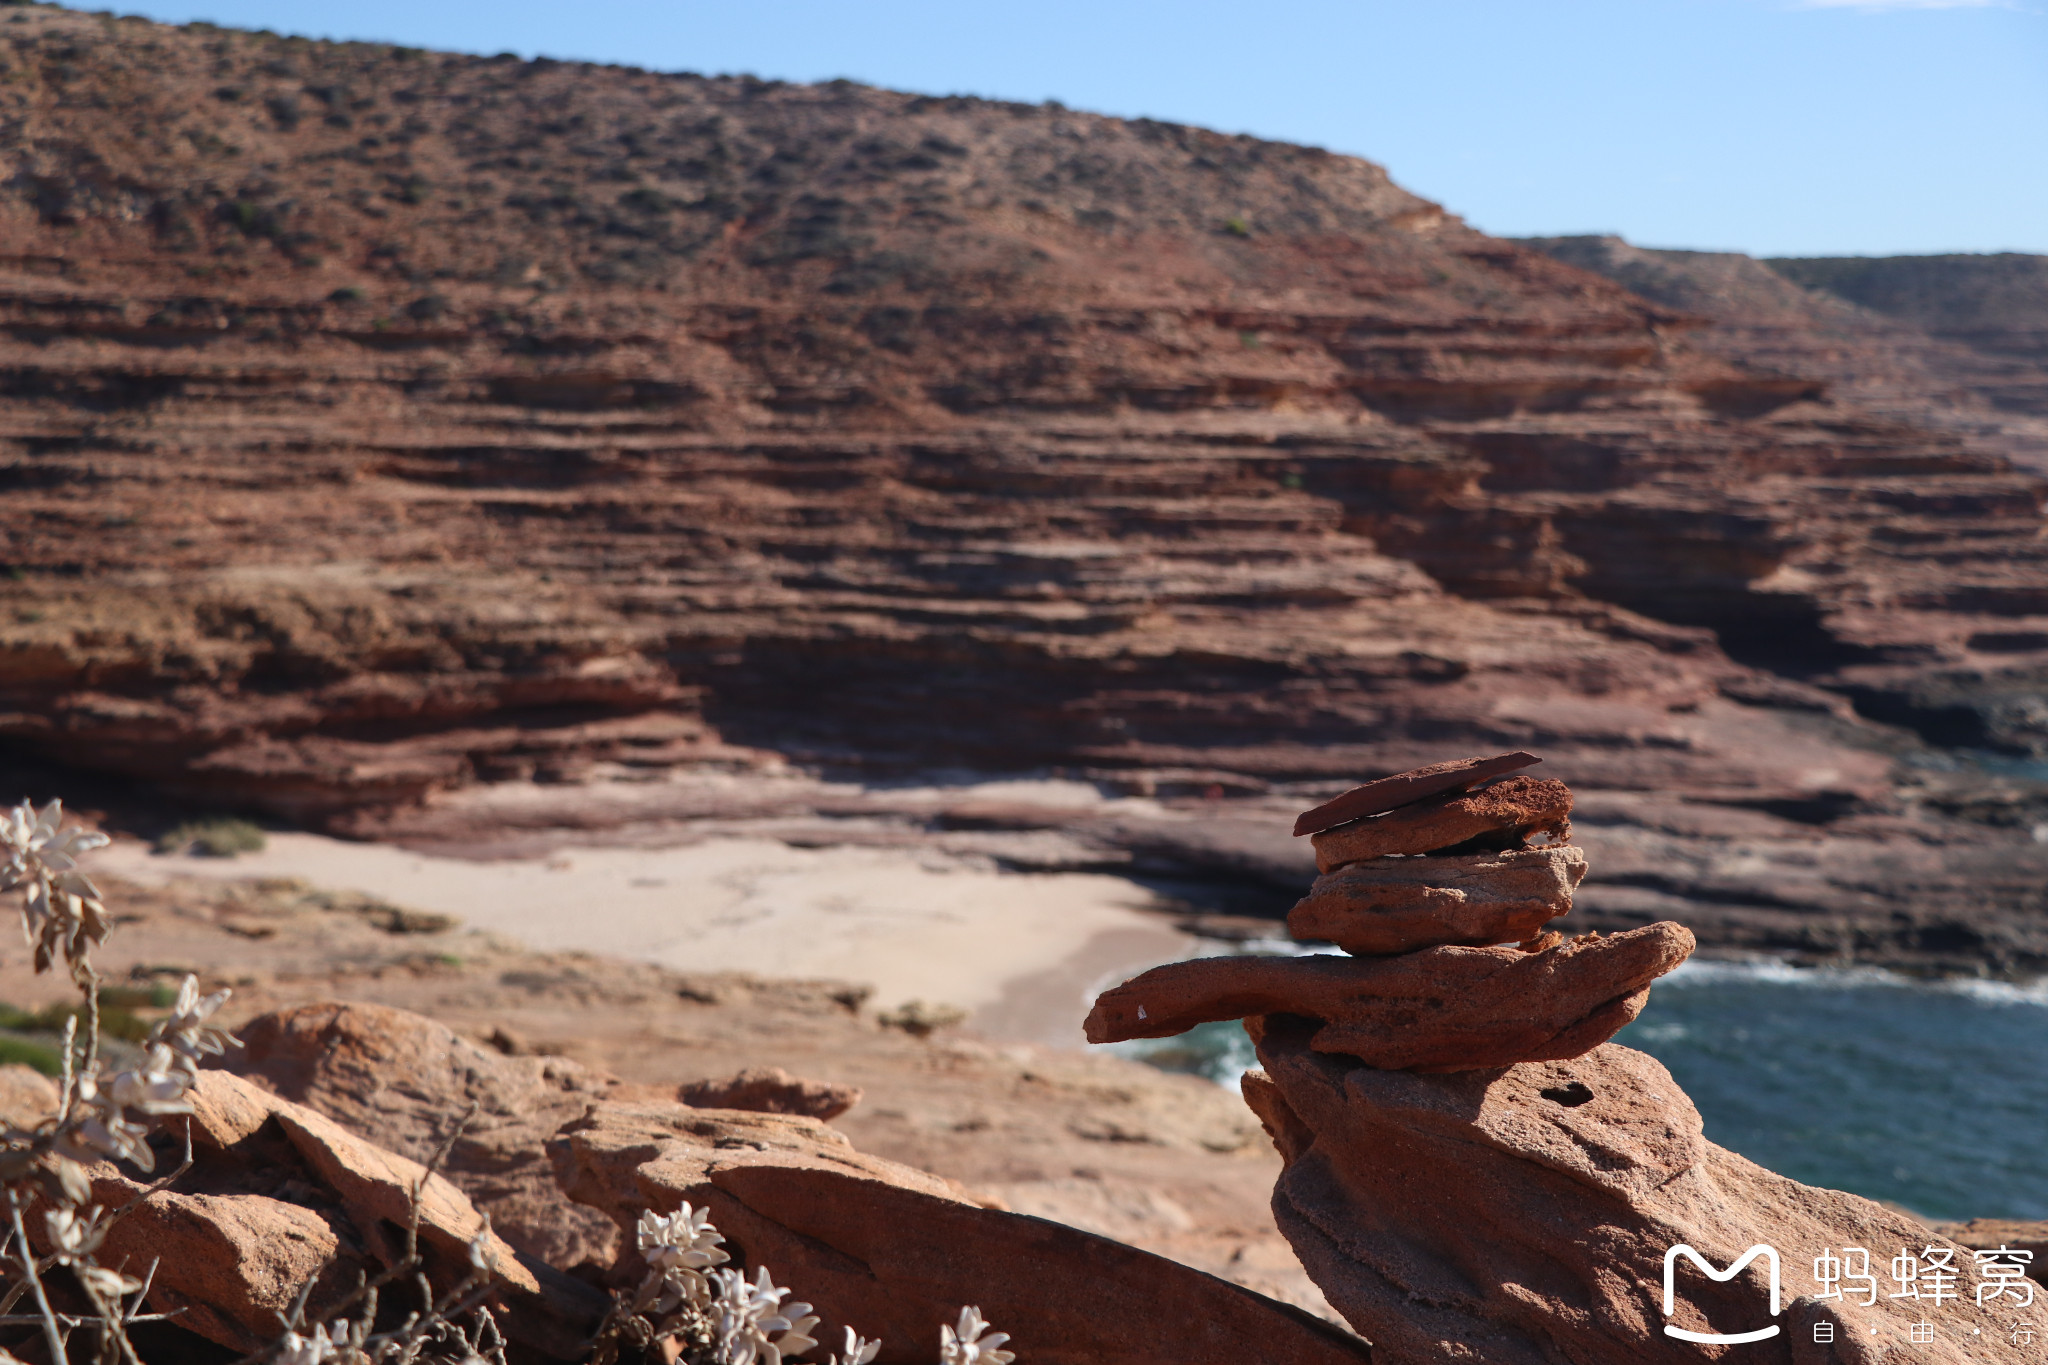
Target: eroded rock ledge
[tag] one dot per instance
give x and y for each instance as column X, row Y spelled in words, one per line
column 1521, row 1216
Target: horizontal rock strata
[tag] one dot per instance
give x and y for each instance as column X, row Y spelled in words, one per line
column 1955, row 342
column 1522, row 1217
column 1514, row 809
column 385, row 473
column 1440, row 1009
column 1394, row 905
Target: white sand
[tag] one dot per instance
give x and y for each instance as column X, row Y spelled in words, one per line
column 1022, row 952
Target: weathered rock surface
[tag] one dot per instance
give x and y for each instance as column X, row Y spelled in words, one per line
column 280, row 1196
column 1513, row 810
column 1441, row 1009
column 390, row 1073
column 404, row 1082
column 1401, row 789
column 1522, row 1215
column 771, row 1090
column 1395, row 905
column 357, row 479
column 26, row 1096
column 1995, row 304
column 1985, row 1234
column 893, row 1252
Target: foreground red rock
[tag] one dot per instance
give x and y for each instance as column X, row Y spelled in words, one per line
column 892, row 1252
column 281, row 1196
column 1441, row 1009
column 1513, row 809
column 1395, row 905
column 1521, row 1216
column 393, row 1075
column 403, row 1082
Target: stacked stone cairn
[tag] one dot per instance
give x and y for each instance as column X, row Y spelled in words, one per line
column 1438, row 884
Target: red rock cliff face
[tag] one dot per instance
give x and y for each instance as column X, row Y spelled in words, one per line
column 376, row 421
column 1952, row 343
column 1995, row 306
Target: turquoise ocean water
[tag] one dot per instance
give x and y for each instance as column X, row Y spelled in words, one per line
column 1929, row 1095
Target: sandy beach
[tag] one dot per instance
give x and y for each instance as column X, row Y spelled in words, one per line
column 1022, row 953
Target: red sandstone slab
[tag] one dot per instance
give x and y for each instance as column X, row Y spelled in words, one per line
column 894, row 1251
column 1513, row 809
column 1441, row 1009
column 1389, row 793
column 1385, row 906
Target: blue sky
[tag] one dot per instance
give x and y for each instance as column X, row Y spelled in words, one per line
column 1779, row 127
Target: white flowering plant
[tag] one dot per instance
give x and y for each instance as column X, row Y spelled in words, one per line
column 692, row 1307
column 973, row 1343
column 107, row 1113
column 102, row 1113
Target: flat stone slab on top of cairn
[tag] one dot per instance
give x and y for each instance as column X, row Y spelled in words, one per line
column 1391, row 793
column 1423, row 879
column 1500, row 815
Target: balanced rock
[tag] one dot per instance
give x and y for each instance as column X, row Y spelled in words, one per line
column 1389, row 793
column 892, row 1252
column 1441, row 1009
column 1523, row 1216
column 1512, row 811
column 1396, row 905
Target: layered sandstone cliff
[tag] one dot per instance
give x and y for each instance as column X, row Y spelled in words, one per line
column 1994, row 304
column 378, row 422
column 1952, row 341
